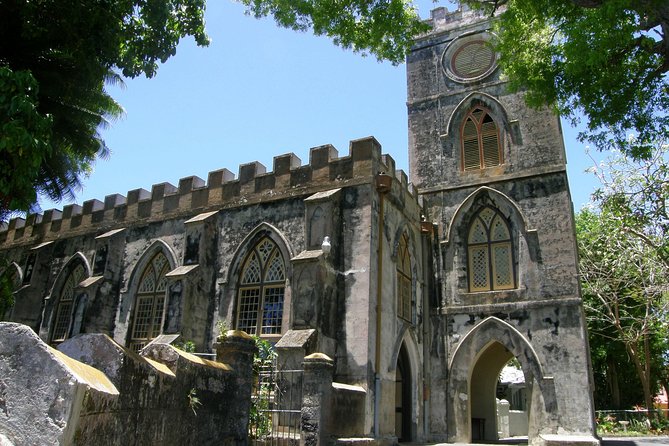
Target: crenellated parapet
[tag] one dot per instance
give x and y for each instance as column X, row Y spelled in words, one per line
column 253, row 184
column 441, row 19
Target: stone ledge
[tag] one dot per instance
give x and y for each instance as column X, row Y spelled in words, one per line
column 569, row 440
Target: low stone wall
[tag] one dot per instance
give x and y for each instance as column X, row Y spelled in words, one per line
column 44, row 393
column 348, row 410
column 165, row 397
column 330, row 410
column 518, row 423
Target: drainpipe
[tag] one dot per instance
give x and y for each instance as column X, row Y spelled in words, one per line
column 427, row 231
column 383, row 185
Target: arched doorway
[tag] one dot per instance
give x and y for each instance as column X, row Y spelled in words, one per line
column 473, row 373
column 486, row 422
column 403, row 386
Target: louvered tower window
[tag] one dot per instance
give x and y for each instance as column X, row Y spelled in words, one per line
column 63, row 320
column 480, row 141
column 489, row 248
column 404, row 295
column 261, row 290
column 149, row 311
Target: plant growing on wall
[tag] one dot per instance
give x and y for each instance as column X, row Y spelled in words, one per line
column 193, row 400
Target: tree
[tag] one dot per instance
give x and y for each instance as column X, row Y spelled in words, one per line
column 56, row 56
column 385, row 28
column 605, row 58
column 625, row 298
column 6, row 291
column 625, row 269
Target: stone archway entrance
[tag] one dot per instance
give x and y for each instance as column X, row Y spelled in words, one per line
column 474, row 370
column 485, row 421
column 403, row 386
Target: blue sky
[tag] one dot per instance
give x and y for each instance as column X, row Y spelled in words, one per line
column 256, row 92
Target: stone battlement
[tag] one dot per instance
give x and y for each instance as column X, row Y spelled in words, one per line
column 441, row 19
column 222, row 190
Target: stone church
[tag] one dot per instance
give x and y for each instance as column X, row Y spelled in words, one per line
column 419, row 292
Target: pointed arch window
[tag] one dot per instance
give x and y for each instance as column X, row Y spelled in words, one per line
column 63, row 319
column 149, row 313
column 480, row 141
column 262, row 287
column 404, row 279
column 490, row 252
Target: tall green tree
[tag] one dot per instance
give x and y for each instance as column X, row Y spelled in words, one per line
column 625, row 298
column 607, row 59
column 56, row 57
column 624, row 269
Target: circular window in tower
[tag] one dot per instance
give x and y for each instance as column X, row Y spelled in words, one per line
column 469, row 58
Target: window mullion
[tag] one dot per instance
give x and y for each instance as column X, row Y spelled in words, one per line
column 479, row 134
column 261, row 306
column 491, row 277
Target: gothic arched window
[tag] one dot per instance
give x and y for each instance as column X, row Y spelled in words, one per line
column 149, row 312
column 480, row 141
column 490, row 252
column 404, row 294
column 63, row 319
column 262, row 286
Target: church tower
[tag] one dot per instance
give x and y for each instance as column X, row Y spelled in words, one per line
column 492, row 172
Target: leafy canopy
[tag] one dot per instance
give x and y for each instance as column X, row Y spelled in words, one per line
column 626, row 296
column 385, row 28
column 56, row 56
column 605, row 58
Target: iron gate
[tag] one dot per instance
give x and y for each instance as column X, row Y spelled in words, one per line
column 276, row 405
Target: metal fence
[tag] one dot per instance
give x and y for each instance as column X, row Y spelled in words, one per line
column 632, row 415
column 276, row 407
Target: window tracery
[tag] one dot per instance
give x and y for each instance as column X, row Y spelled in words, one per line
column 490, row 252
column 66, row 297
column 261, row 290
column 149, row 312
column 404, row 280
column 481, row 146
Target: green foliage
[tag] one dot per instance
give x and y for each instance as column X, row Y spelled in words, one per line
column 52, row 83
column 385, row 28
column 222, row 326
column 6, row 291
column 23, row 135
column 260, row 420
column 625, row 278
column 187, row 346
column 631, row 424
column 265, row 356
column 608, row 60
column 193, row 400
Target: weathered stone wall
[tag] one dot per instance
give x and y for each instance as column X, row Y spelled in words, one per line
column 540, row 320
column 341, row 298
column 165, row 397
column 43, row 393
column 331, row 295
column 348, row 411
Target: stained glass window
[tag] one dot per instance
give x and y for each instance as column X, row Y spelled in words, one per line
column 490, row 263
column 261, row 290
column 480, row 141
column 148, row 316
column 63, row 319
